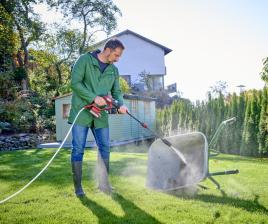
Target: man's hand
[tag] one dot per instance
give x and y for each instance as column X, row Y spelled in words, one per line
column 123, row 109
column 100, row 101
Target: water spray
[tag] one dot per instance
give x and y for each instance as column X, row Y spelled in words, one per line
column 216, row 135
column 144, row 125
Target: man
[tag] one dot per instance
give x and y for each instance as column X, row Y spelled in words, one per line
column 94, row 75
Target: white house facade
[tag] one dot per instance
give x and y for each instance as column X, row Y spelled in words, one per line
column 141, row 55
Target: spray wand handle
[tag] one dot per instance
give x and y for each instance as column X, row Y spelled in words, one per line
column 180, row 155
column 144, row 125
column 141, row 123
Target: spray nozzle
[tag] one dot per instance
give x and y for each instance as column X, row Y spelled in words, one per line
column 231, row 120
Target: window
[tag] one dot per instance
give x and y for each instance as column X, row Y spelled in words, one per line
column 65, row 110
column 134, row 106
column 156, row 82
column 147, row 109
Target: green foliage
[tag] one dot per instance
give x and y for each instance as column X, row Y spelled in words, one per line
column 63, row 42
column 163, row 124
column 44, row 77
column 20, row 114
column 24, row 20
column 124, row 85
column 43, row 72
column 93, row 15
column 65, row 88
column 31, row 114
column 145, row 79
column 247, row 136
column 219, row 88
column 7, row 40
column 28, row 28
column 8, row 87
column 263, row 124
column 264, row 72
column 251, row 129
column 20, row 73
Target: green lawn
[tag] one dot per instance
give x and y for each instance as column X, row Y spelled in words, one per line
column 243, row 199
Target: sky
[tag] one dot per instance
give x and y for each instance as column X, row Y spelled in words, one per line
column 220, row 40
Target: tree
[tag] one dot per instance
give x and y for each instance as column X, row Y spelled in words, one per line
column 124, row 85
column 249, row 144
column 95, row 15
column 220, row 87
column 7, row 40
column 61, row 45
column 263, row 124
column 43, row 75
column 234, row 130
column 29, row 28
column 64, row 43
column 264, row 72
column 145, row 79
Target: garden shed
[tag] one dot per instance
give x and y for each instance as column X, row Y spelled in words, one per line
column 123, row 129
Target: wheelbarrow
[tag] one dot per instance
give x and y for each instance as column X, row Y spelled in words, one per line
column 165, row 170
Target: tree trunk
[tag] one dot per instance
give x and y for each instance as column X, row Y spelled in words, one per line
column 82, row 47
column 23, row 61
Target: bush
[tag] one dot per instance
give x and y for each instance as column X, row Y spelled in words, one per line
column 8, row 88
column 45, row 124
column 21, row 115
column 32, row 114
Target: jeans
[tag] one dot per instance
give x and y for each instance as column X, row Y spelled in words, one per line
column 102, row 139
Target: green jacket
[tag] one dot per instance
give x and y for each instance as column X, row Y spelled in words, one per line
column 87, row 82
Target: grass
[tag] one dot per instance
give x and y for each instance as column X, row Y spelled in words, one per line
column 50, row 199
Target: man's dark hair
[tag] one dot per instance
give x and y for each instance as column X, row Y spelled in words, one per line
column 113, row 44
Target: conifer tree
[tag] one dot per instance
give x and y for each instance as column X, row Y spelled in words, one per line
column 234, row 129
column 263, row 124
column 174, row 115
column 250, row 132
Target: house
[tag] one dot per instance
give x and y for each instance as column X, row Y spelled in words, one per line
column 123, row 128
column 141, row 56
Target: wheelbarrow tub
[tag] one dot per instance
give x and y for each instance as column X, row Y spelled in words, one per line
column 165, row 171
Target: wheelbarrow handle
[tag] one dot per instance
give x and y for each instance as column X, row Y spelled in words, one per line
column 227, row 172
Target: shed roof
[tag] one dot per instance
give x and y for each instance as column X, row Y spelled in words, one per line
column 125, row 96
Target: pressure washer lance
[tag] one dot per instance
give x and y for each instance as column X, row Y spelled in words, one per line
column 144, row 125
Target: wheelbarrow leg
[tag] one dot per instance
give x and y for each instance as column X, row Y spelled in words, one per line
column 214, row 181
column 227, row 172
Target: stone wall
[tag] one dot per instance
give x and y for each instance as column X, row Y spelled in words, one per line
column 20, row 141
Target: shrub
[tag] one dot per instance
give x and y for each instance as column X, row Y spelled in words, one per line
column 31, row 114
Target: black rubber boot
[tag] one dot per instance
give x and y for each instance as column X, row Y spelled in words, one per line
column 77, row 177
column 103, row 175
